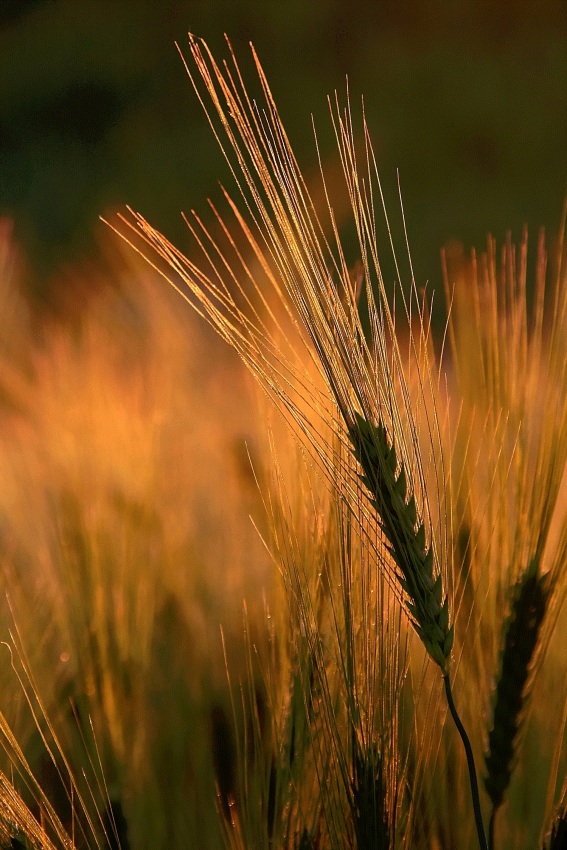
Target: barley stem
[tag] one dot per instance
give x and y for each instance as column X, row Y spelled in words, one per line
column 470, row 763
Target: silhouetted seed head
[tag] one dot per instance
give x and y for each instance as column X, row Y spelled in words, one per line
column 521, row 634
column 369, row 801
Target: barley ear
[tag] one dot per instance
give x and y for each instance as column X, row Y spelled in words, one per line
column 520, row 640
column 385, row 477
column 369, row 800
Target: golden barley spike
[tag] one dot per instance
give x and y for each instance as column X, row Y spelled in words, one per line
column 363, row 378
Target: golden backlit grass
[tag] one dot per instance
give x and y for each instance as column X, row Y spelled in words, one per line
column 126, row 542
column 418, row 461
column 408, row 531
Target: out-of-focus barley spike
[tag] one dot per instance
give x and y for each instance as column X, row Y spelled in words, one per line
column 520, row 642
column 369, row 804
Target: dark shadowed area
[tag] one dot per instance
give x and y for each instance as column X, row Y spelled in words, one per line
column 467, row 100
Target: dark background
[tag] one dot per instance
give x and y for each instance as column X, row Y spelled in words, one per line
column 467, row 99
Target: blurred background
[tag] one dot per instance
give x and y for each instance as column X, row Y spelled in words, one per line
column 468, row 100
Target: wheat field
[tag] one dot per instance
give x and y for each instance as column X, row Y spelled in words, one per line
column 301, row 590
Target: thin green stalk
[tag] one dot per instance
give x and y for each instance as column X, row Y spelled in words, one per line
column 470, row 763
